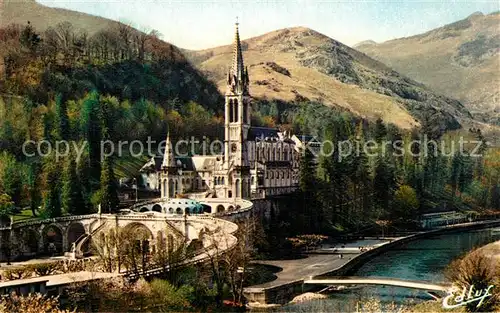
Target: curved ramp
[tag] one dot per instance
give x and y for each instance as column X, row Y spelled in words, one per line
column 83, row 239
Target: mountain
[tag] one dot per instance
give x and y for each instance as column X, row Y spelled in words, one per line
column 460, row 60
column 43, row 17
column 298, row 64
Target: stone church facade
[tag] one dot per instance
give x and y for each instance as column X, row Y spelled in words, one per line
column 257, row 161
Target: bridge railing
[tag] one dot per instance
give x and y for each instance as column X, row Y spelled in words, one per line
column 52, row 220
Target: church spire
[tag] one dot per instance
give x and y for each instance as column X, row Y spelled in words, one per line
column 238, row 69
column 168, row 157
column 238, row 75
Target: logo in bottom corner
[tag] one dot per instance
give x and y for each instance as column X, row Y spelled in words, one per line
column 466, row 296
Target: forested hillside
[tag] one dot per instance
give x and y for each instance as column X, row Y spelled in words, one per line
column 118, row 85
column 122, row 85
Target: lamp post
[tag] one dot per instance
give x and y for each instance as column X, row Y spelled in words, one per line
column 134, row 181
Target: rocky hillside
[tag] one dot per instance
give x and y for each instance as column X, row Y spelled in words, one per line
column 460, row 60
column 302, row 64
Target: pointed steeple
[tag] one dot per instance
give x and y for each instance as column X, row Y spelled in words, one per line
column 238, row 69
column 168, row 157
column 237, row 80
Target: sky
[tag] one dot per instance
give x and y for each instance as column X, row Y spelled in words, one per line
column 200, row 24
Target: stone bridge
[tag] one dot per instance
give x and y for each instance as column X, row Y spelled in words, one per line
column 69, row 234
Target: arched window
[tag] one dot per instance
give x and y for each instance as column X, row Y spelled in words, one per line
column 236, row 119
column 231, row 111
column 238, row 188
column 245, row 112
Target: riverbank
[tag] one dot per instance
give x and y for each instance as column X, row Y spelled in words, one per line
column 296, row 271
column 492, row 250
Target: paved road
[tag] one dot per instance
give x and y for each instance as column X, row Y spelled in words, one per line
column 315, row 264
column 60, row 279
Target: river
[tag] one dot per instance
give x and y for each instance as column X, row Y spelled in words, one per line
column 421, row 259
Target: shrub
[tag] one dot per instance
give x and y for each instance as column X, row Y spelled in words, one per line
column 478, row 270
column 33, row 303
column 17, row 273
column 43, row 269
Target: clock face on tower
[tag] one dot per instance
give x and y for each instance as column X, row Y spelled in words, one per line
column 233, row 147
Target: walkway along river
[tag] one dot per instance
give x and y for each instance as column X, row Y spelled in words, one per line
column 422, row 259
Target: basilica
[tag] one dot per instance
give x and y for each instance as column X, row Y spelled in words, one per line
column 257, row 162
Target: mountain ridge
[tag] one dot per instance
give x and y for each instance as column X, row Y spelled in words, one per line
column 302, row 63
column 460, row 60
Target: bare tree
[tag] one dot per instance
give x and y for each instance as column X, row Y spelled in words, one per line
column 125, row 34
column 228, row 261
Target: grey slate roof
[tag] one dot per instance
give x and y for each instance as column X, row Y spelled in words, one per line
column 261, row 133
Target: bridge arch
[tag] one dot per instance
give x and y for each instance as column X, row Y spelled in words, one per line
column 142, row 237
column 144, row 209
column 74, row 231
column 220, row 208
column 139, row 230
column 157, row 208
column 53, row 239
column 31, row 240
column 4, row 221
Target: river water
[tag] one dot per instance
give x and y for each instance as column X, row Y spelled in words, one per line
column 422, row 259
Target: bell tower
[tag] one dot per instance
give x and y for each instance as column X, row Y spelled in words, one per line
column 237, row 121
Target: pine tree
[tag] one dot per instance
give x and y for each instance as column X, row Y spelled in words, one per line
column 34, row 187
column 29, row 38
column 384, row 183
column 307, row 171
column 307, row 185
column 109, row 190
column 63, row 131
column 466, row 174
column 52, row 200
column 91, row 126
column 456, row 169
column 380, row 130
column 83, row 172
column 72, row 197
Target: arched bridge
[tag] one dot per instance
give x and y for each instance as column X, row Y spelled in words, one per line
column 58, row 236
column 384, row 281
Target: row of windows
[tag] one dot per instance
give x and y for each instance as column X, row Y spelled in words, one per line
column 273, row 154
column 278, row 175
column 219, row 180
